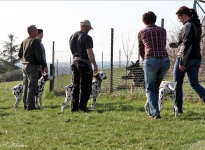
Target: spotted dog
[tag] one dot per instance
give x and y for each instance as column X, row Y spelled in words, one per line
column 166, row 89
column 68, row 95
column 17, row 92
column 41, row 83
column 96, row 88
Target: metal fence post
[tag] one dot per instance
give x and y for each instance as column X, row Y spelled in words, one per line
column 52, row 70
column 111, row 61
column 162, row 23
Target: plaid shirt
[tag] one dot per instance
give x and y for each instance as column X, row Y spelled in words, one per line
column 152, row 42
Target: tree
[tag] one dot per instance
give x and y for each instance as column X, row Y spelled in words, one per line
column 128, row 47
column 9, row 54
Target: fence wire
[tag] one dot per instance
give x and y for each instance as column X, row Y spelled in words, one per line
column 125, row 51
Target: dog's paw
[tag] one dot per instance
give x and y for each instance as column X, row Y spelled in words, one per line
column 62, row 108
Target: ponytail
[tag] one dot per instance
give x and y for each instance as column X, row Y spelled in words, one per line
column 194, row 14
column 188, row 11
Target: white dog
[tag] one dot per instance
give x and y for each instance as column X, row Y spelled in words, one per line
column 41, row 85
column 18, row 90
column 96, row 88
column 166, row 89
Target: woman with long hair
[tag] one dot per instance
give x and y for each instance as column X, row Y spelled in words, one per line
column 188, row 57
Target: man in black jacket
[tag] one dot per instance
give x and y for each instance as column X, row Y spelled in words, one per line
column 31, row 56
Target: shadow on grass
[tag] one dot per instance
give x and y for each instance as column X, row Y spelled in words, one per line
column 52, row 106
column 4, row 114
column 7, row 107
column 120, row 106
column 193, row 116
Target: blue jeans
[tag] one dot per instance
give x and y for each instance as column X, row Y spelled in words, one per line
column 192, row 69
column 155, row 69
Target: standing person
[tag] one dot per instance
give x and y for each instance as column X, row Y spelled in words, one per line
column 189, row 56
column 31, row 56
column 152, row 49
column 81, row 45
column 39, row 37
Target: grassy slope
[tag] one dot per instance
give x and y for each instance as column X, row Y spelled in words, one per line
column 117, row 123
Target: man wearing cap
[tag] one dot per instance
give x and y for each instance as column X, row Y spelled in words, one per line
column 31, row 56
column 39, row 37
column 81, row 45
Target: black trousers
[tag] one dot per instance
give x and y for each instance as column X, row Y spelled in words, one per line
column 82, row 75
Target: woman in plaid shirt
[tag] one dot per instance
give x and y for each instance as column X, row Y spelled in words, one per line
column 152, row 49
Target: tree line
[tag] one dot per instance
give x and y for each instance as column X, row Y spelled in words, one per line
column 9, row 55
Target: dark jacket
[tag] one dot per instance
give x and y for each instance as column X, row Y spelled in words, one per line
column 30, row 52
column 189, row 41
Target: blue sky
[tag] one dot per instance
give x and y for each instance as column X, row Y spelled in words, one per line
column 59, row 19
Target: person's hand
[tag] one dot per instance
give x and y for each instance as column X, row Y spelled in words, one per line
column 46, row 69
column 182, row 68
column 95, row 69
column 40, row 68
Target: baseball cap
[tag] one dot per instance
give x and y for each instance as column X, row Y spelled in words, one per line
column 86, row 23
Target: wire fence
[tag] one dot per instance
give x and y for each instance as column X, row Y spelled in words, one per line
column 124, row 51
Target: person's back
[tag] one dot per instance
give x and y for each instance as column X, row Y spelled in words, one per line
column 78, row 43
column 154, row 41
column 152, row 44
column 30, row 53
column 196, row 39
column 81, row 45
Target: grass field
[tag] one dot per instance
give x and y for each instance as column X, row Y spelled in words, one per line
column 118, row 123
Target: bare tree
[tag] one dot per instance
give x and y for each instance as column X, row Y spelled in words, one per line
column 128, row 47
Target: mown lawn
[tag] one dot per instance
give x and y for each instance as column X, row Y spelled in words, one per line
column 119, row 122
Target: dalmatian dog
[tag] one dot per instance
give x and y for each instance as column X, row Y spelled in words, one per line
column 96, row 88
column 41, row 84
column 18, row 90
column 166, row 89
column 68, row 95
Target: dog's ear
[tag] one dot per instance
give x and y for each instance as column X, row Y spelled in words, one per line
column 45, row 76
column 95, row 75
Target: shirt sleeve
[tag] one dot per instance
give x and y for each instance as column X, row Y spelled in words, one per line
column 89, row 42
column 186, row 47
column 39, row 53
column 20, row 53
column 140, row 46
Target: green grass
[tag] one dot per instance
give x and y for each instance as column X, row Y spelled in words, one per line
column 119, row 122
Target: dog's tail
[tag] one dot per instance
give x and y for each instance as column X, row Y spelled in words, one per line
column 6, row 88
column 173, row 88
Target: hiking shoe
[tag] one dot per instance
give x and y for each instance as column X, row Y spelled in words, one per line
column 155, row 116
column 85, row 110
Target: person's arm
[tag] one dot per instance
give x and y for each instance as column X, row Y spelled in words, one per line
column 39, row 53
column 20, row 53
column 44, row 56
column 140, row 46
column 91, row 56
column 185, row 49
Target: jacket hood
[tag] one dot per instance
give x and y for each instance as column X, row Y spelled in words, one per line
column 195, row 21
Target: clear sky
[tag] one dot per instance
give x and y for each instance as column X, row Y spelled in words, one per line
column 59, row 19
